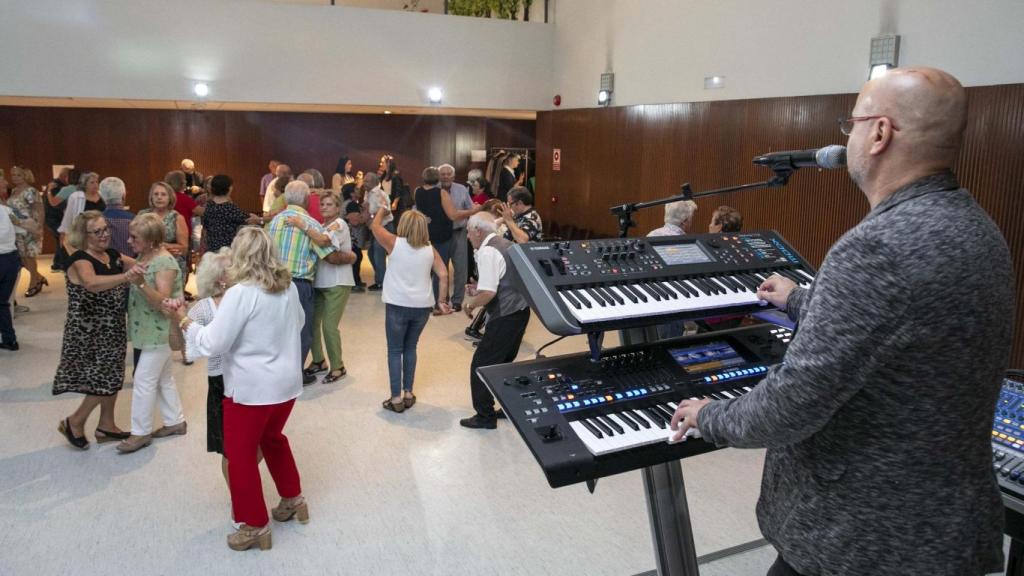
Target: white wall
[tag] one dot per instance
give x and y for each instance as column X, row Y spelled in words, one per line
column 661, row 50
column 269, row 52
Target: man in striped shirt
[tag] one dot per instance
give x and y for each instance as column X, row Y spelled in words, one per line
column 301, row 241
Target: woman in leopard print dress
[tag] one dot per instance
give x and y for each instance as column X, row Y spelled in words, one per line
column 92, row 354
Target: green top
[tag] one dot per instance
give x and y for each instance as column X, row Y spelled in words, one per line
column 149, row 328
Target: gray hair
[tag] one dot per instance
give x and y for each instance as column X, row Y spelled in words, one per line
column 474, row 175
column 308, row 179
column 112, row 191
column 371, row 180
column 483, row 221
column 430, row 175
column 446, row 167
column 318, row 178
column 84, row 179
column 296, row 192
column 680, row 212
column 210, row 270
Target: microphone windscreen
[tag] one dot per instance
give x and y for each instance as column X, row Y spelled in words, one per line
column 831, row 157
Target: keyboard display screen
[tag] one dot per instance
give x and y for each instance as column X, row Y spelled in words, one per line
column 707, row 357
column 680, row 254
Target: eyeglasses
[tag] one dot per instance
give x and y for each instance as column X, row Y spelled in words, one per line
column 846, row 124
column 105, row 231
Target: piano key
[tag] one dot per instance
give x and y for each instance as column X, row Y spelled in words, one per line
column 615, row 428
column 621, row 290
column 600, row 426
column 639, row 418
column 625, row 419
column 607, row 291
column 663, row 411
column 685, row 292
column 583, row 299
column 730, row 283
column 808, row 277
column 637, row 293
column 654, row 417
column 567, row 296
column 593, row 429
column 597, row 297
column 726, row 394
column 650, row 291
column 717, row 283
column 668, row 290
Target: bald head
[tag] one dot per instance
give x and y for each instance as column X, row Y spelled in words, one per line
column 928, row 108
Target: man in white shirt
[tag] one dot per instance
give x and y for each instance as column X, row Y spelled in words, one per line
column 507, row 310
column 10, row 264
column 678, row 216
column 282, row 171
column 461, row 200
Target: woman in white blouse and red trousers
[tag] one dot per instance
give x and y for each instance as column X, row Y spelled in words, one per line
column 256, row 332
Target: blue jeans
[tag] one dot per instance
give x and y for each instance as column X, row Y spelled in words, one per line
column 379, row 257
column 10, row 265
column 443, row 249
column 403, row 327
column 305, row 288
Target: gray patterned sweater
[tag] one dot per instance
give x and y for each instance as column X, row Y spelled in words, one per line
column 877, row 422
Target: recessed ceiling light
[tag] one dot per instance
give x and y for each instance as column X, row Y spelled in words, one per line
column 387, row 111
column 435, row 95
column 201, row 89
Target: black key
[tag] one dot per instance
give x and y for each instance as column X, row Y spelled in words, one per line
column 640, row 419
column 717, row 285
column 638, row 293
column 657, row 290
column 624, row 417
column 787, row 274
column 729, row 283
column 667, row 290
column 611, row 294
column 679, row 288
column 597, row 297
column 665, row 411
column 572, row 299
column 611, row 423
column 622, row 290
column 583, row 299
column 703, row 288
column 656, row 418
column 689, row 287
column 650, row 291
column 748, row 281
column 717, row 396
column 601, row 426
column 593, row 429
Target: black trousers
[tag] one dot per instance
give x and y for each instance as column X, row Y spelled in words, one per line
column 10, row 265
column 499, row 345
column 781, row 568
column 357, row 265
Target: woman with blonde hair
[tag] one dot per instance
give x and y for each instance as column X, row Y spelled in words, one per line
column 157, row 277
column 409, row 298
column 260, row 311
column 92, row 351
column 26, row 204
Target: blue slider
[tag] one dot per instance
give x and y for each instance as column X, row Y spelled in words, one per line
column 618, row 395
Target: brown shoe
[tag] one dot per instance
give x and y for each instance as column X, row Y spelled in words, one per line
column 134, row 443
column 291, row 507
column 176, row 430
column 248, row 536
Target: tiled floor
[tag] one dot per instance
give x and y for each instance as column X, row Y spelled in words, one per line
column 408, row 493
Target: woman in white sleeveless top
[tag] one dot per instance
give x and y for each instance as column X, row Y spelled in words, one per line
column 409, row 298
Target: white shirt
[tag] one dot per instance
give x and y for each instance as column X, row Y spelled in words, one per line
column 269, row 196
column 667, row 230
column 380, row 198
column 257, row 335
column 490, row 266
column 7, row 232
column 407, row 281
column 202, row 313
column 75, row 206
column 330, row 275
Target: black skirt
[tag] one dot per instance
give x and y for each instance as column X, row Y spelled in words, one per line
column 215, row 415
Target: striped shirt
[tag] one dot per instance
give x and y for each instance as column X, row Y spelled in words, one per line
column 294, row 247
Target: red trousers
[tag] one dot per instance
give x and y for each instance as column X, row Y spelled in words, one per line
column 246, row 429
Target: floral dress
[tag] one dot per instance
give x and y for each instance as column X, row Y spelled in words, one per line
column 24, row 206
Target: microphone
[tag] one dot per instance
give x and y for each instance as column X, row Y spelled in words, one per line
column 829, row 157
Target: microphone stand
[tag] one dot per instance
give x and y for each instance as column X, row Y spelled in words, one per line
column 664, row 489
column 624, row 212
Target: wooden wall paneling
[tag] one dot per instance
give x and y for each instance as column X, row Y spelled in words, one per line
column 644, row 152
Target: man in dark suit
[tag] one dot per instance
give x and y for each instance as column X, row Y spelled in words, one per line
column 877, row 423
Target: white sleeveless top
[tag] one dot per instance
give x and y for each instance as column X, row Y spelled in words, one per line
column 407, row 280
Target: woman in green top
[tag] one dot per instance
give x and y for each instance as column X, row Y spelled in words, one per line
column 175, row 238
column 157, row 277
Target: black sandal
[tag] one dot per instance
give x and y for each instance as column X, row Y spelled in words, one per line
column 334, row 376
column 316, row 368
column 397, row 408
column 36, row 288
column 77, row 441
column 108, row 436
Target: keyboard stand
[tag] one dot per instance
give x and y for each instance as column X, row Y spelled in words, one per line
column 665, row 493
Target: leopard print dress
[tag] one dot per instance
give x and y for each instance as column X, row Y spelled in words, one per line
column 92, row 354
